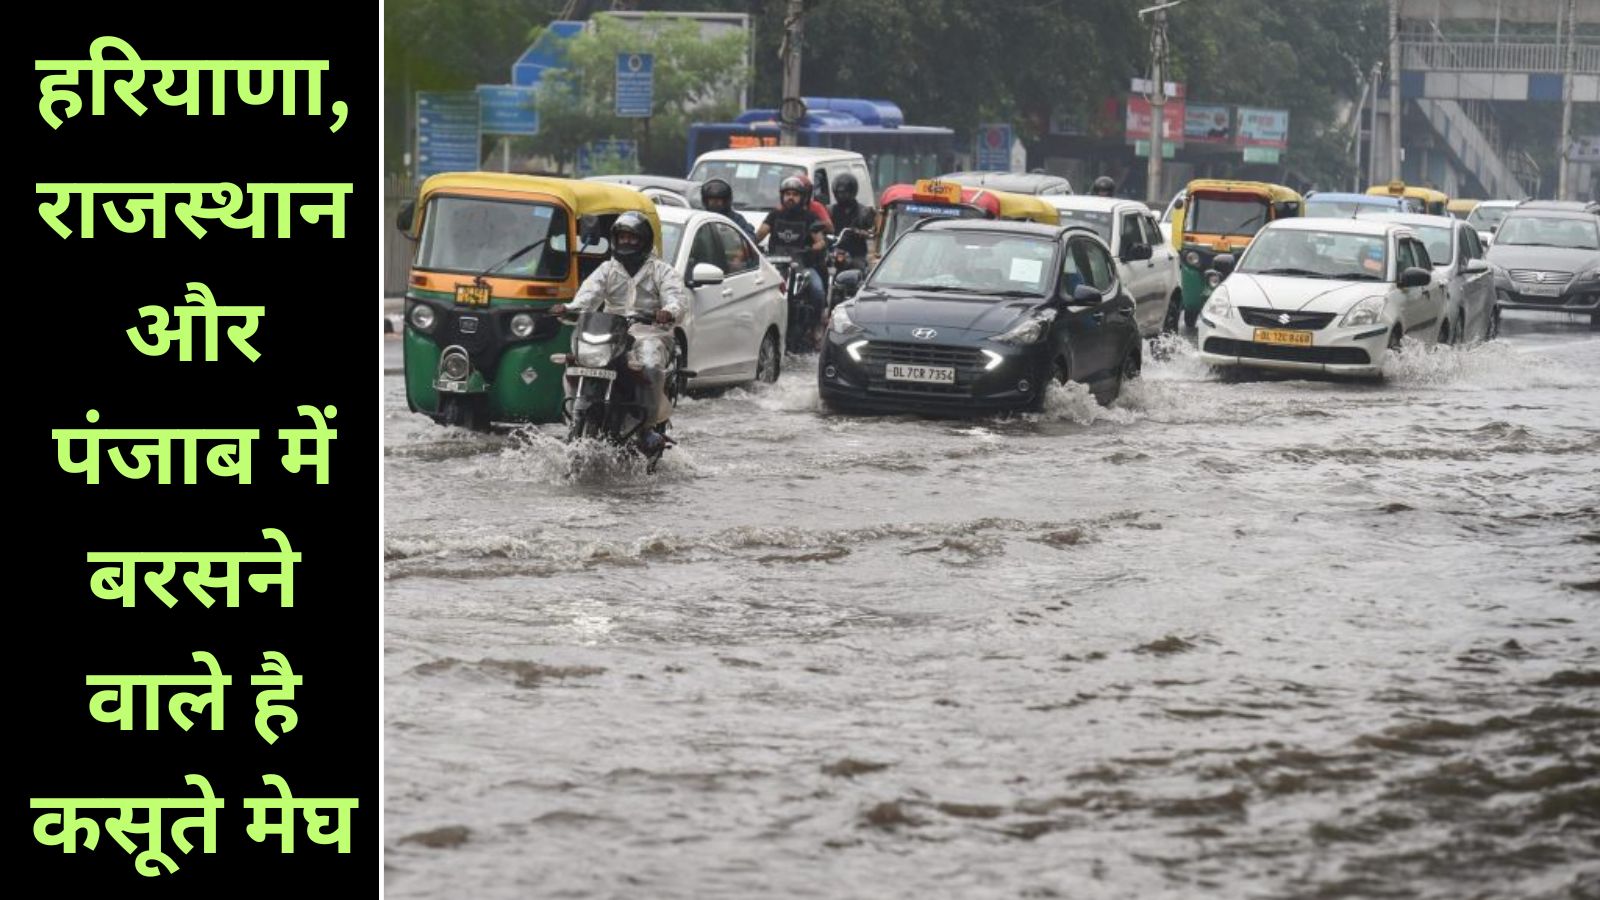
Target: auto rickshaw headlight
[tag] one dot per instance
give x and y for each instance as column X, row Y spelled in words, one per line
column 521, row 325
column 455, row 366
column 422, row 317
column 1192, row 258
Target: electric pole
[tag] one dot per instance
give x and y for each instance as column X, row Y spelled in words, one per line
column 1394, row 90
column 1158, row 99
column 793, row 109
column 1566, row 105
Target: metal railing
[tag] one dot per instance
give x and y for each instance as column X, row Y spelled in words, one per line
column 1472, row 57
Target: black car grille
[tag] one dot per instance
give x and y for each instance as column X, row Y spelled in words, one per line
column 1274, row 318
column 1332, row 356
column 967, row 361
column 1540, row 276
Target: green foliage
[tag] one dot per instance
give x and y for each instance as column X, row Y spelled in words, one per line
column 694, row 78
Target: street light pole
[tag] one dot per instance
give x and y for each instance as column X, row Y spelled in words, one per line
column 1394, row 90
column 1158, row 99
column 793, row 32
column 1566, row 105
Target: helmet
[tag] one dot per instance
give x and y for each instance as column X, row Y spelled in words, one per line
column 1103, row 187
column 633, row 223
column 796, row 183
column 719, row 190
column 845, row 187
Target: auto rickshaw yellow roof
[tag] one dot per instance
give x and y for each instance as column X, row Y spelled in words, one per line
column 1275, row 193
column 1401, row 189
column 1025, row 206
column 582, row 197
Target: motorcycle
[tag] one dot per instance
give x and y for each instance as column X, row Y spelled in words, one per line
column 606, row 392
column 803, row 314
column 840, row 263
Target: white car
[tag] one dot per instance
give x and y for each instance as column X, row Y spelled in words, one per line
column 1486, row 217
column 755, row 173
column 1130, row 228
column 734, row 329
column 1469, row 279
column 1323, row 295
column 1175, row 204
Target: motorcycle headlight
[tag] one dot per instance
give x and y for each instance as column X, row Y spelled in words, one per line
column 422, row 317
column 1192, row 258
column 521, row 325
column 594, row 355
column 1219, row 306
column 1365, row 312
column 842, row 323
column 1029, row 330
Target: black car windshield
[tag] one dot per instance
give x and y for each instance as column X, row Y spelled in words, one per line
column 1224, row 215
column 755, row 184
column 1317, row 254
column 474, row 235
column 1548, row 231
column 998, row 264
column 1099, row 221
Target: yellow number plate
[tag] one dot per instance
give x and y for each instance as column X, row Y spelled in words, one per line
column 1292, row 338
column 472, row 295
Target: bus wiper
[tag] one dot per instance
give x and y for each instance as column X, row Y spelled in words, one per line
column 479, row 280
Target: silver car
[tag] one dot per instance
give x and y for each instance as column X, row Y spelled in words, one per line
column 1469, row 279
column 1323, row 295
column 1147, row 265
column 734, row 330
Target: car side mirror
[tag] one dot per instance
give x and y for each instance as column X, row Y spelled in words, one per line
column 407, row 216
column 1224, row 263
column 1177, row 204
column 1086, row 295
column 705, row 273
column 1416, row 276
column 1136, row 253
column 1493, row 228
column 848, row 281
column 1477, row 265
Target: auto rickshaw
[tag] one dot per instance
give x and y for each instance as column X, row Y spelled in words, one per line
column 1222, row 217
column 1461, row 207
column 493, row 253
column 1434, row 203
column 902, row 205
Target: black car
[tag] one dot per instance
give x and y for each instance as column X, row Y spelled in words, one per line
column 1551, row 260
column 974, row 316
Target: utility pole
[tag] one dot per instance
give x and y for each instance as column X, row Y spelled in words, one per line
column 1394, row 90
column 1566, row 106
column 1158, row 99
column 793, row 109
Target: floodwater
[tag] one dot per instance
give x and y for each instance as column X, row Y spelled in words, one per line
column 1272, row 638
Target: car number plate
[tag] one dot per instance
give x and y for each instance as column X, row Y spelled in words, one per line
column 1291, row 338
column 472, row 295
column 930, row 374
column 1540, row 290
column 584, row 372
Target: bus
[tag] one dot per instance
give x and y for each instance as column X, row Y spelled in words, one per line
column 895, row 152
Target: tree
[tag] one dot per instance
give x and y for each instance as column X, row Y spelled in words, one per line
column 693, row 78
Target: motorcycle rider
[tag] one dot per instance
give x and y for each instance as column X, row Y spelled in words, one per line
column 860, row 220
column 635, row 280
column 1103, row 187
column 716, row 196
column 796, row 232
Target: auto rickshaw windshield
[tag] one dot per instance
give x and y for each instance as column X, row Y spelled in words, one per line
column 899, row 217
column 476, row 235
column 1235, row 215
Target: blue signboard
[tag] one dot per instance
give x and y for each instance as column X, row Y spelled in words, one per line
column 994, row 149
column 635, row 84
column 548, row 52
column 447, row 132
column 620, row 149
column 507, row 109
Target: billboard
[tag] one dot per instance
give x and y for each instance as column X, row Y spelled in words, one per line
column 1137, row 122
column 1263, row 128
column 1205, row 123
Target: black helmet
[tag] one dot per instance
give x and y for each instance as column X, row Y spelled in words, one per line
column 845, row 187
column 1103, row 187
column 634, row 223
column 716, row 189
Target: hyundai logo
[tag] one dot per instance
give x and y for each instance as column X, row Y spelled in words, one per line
column 1285, row 318
column 924, row 334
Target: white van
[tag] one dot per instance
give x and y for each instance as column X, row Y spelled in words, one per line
column 756, row 172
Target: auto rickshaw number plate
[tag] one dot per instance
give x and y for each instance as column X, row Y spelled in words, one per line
column 1291, row 338
column 472, row 295
column 930, row 374
column 584, row 372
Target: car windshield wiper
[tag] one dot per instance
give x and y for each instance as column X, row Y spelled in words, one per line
column 936, row 288
column 1305, row 273
column 1357, row 276
column 1012, row 293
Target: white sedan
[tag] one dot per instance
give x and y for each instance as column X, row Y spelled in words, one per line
column 1324, row 295
column 1146, row 263
column 734, row 330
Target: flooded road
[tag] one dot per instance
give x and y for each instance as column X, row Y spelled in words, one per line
column 1270, row 638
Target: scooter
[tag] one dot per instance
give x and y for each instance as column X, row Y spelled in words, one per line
column 606, row 392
